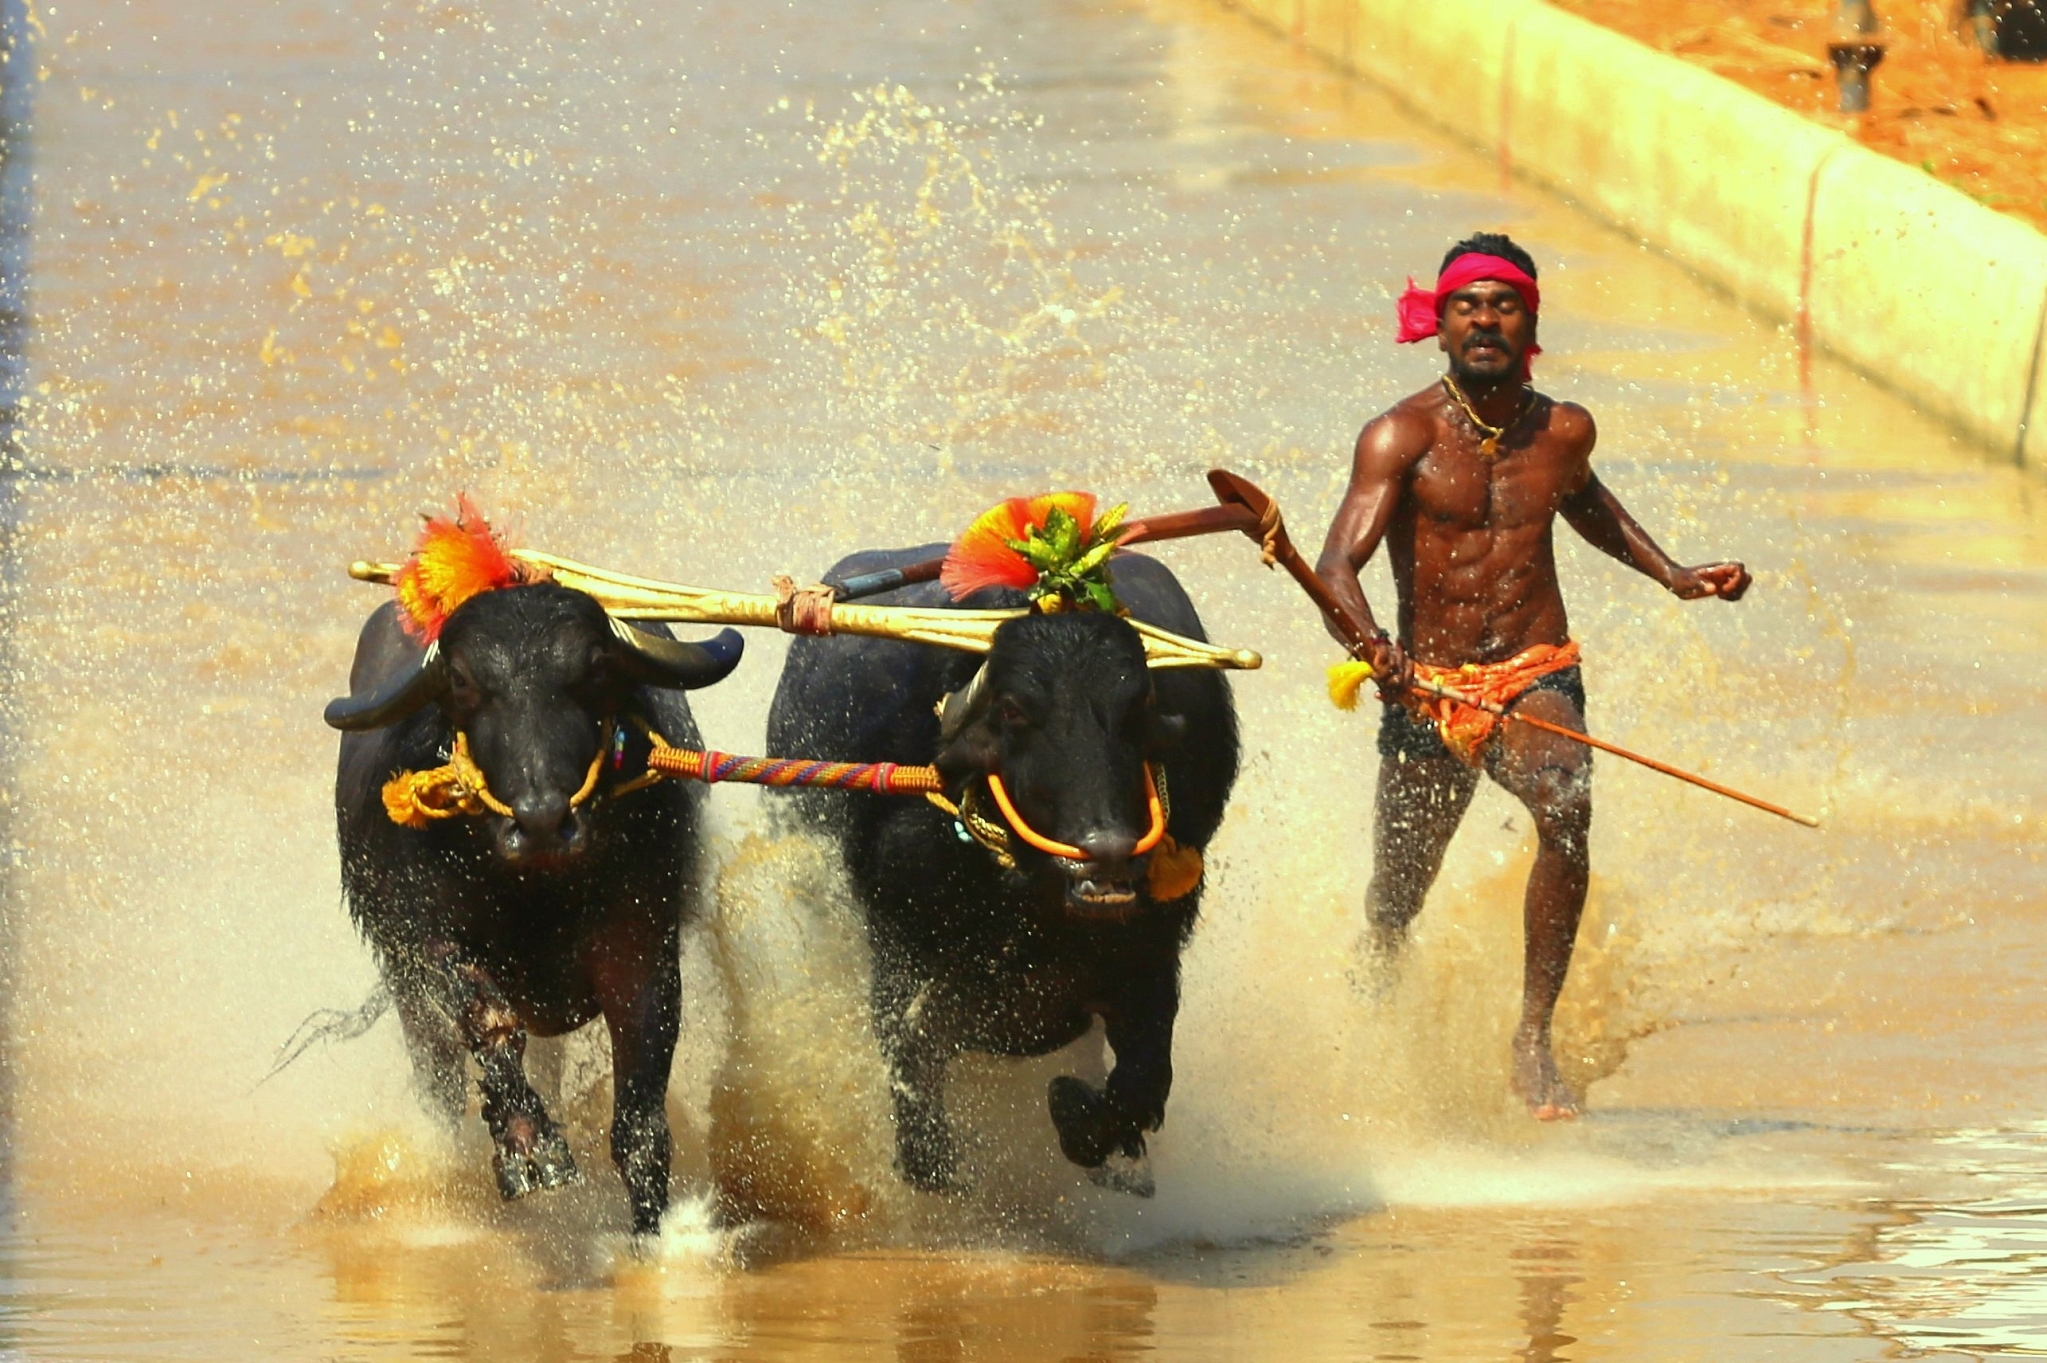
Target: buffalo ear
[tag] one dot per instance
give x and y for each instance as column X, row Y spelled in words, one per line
column 1163, row 732
column 973, row 751
column 967, row 742
column 967, row 745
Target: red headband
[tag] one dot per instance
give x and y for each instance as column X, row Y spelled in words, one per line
column 1421, row 311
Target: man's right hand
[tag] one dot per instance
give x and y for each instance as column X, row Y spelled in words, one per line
column 1725, row 580
column 1391, row 670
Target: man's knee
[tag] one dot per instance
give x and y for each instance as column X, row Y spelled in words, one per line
column 1559, row 798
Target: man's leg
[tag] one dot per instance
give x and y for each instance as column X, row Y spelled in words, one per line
column 1423, row 793
column 1552, row 776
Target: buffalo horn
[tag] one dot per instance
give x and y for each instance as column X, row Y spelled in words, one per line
column 672, row 662
column 963, row 706
column 395, row 699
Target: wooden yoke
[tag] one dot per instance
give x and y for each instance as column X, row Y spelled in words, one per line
column 640, row 598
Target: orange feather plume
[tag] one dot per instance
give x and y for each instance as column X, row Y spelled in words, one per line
column 981, row 557
column 453, row 561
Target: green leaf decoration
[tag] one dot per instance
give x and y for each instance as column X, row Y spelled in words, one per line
column 1094, row 558
column 1072, row 560
column 1064, row 532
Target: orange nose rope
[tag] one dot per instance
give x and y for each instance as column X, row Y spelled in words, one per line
column 1067, row 849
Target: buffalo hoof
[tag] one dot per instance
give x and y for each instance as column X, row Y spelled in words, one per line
column 1089, row 1131
column 1120, row 1173
column 546, row 1164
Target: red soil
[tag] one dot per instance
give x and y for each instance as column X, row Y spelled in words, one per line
column 1937, row 101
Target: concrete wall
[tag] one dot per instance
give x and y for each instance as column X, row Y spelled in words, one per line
column 1913, row 282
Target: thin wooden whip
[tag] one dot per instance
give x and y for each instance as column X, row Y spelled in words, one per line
column 1232, row 490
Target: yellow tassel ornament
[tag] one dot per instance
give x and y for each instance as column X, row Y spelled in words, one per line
column 1346, row 679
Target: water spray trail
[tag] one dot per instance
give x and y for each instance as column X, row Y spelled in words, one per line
column 17, row 84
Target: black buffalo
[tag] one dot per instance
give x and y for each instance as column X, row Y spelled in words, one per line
column 970, row 954
column 487, row 927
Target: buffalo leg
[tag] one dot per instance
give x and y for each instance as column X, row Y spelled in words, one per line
column 531, row 1153
column 641, row 996
column 1094, row 1124
column 925, row 1153
column 436, row 1049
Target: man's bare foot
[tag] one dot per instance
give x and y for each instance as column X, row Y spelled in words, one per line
column 1375, row 962
column 1536, row 1079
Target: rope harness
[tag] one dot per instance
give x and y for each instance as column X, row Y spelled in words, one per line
column 1172, row 873
column 419, row 799
column 1067, row 849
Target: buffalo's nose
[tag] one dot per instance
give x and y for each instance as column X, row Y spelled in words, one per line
column 1106, row 848
column 542, row 818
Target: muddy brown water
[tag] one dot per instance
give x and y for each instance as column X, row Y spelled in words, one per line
column 710, row 292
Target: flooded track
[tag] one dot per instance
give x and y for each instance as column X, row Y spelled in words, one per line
column 709, row 293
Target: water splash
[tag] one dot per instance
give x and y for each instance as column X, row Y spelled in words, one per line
column 606, row 251
column 799, row 1110
column 956, row 312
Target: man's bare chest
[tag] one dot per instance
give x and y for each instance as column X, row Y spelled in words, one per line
column 1455, row 488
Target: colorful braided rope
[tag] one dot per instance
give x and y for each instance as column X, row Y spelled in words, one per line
column 710, row 767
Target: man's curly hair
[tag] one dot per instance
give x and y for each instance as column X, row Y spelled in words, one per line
column 1491, row 244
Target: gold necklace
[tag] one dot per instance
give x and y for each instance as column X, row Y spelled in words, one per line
column 1490, row 445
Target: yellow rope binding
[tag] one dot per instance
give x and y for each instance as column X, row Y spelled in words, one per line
column 416, row 799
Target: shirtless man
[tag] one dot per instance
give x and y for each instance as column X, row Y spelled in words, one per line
column 1463, row 482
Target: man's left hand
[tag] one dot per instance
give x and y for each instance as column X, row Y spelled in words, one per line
column 1725, row 580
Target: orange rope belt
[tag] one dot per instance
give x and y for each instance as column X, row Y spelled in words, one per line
column 1465, row 729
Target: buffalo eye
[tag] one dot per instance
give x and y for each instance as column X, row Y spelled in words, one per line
column 1009, row 714
column 462, row 688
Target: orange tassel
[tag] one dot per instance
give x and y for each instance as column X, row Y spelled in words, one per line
column 982, row 558
column 453, row 561
column 1174, row 871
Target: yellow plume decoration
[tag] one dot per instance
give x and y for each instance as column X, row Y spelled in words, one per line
column 1346, row 679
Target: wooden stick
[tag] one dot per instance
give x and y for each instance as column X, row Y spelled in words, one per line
column 1270, row 530
column 1501, row 712
column 1180, row 525
column 1173, row 525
